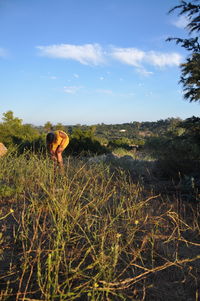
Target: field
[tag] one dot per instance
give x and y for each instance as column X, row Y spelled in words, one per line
column 95, row 233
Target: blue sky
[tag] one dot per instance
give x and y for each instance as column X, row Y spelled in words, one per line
column 91, row 61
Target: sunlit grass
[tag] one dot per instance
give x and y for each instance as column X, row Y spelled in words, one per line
column 92, row 234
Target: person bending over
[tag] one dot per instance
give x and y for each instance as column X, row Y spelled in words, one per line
column 56, row 143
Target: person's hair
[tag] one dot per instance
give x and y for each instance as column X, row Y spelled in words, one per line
column 50, row 137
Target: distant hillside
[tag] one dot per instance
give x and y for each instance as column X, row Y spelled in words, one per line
column 130, row 130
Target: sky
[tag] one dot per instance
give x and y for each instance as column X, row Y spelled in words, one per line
column 91, row 61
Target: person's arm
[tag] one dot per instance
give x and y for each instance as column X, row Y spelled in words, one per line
column 50, row 150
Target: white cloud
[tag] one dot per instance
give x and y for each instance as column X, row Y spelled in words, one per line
column 130, row 56
column 71, row 89
column 181, row 22
column 137, row 58
column 88, row 54
column 94, row 54
column 163, row 59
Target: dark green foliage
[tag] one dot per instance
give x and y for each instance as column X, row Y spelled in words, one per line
column 121, row 142
column 191, row 77
column 13, row 132
column 173, row 142
column 37, row 145
column 180, row 147
column 191, row 9
column 85, row 146
column 134, row 131
column 178, row 153
column 192, row 128
column 191, row 68
column 85, row 142
column 48, row 126
column 59, row 126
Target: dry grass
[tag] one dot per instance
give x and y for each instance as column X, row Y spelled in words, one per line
column 92, row 235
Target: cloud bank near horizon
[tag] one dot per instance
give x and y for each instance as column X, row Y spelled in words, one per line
column 95, row 54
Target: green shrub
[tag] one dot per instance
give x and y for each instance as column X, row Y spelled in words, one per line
column 179, row 154
column 85, row 142
column 120, row 143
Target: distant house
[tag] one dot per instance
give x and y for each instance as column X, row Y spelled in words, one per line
column 122, row 130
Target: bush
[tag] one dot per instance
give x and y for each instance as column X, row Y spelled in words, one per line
column 176, row 155
column 84, row 142
column 120, row 143
column 84, row 146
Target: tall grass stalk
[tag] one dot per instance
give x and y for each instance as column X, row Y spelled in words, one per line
column 92, row 234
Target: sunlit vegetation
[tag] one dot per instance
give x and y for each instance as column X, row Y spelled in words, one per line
column 122, row 223
column 98, row 233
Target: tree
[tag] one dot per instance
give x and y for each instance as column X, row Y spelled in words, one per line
column 192, row 128
column 13, row 132
column 190, row 70
column 191, row 78
column 59, row 126
column 48, row 126
column 84, row 142
column 9, row 119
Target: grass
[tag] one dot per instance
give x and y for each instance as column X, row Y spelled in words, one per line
column 123, row 152
column 93, row 234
